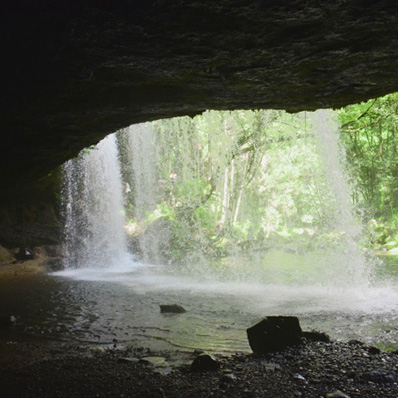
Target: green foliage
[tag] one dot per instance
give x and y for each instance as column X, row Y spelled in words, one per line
column 228, row 181
column 232, row 181
column 369, row 135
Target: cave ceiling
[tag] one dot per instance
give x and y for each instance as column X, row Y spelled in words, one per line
column 74, row 71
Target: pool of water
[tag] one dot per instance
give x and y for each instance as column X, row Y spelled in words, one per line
column 102, row 306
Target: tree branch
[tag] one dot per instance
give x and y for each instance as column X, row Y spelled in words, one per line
column 361, row 116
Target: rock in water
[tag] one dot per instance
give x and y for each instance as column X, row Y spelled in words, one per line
column 172, row 308
column 204, row 362
column 274, row 333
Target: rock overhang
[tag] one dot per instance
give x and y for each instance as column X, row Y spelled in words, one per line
column 76, row 71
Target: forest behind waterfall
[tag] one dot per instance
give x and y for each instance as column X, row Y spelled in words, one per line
column 369, row 135
column 229, row 181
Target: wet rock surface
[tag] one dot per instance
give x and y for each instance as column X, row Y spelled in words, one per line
column 315, row 369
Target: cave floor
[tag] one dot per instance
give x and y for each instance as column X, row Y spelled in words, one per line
column 51, row 368
column 312, row 370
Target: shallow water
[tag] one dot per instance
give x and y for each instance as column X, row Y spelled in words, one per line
column 101, row 306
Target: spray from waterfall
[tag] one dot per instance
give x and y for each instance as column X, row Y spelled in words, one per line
column 355, row 267
column 137, row 145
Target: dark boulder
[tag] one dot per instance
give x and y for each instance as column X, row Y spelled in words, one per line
column 374, row 350
column 204, row 362
column 274, row 333
column 172, row 308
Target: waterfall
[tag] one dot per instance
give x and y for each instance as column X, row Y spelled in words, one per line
column 122, row 172
column 94, row 234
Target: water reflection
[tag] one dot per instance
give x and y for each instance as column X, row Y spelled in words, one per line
column 124, row 307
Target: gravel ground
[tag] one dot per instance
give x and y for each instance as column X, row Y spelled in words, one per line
column 312, row 370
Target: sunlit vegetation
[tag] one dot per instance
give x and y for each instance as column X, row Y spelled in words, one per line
column 230, row 181
column 370, row 137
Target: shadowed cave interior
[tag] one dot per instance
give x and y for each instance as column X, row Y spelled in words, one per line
column 75, row 72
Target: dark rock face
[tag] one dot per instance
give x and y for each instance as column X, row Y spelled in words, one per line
column 73, row 72
column 274, row 333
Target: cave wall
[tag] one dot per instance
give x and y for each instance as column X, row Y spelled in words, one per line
column 74, row 71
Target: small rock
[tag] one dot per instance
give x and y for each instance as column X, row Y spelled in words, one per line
column 313, row 335
column 336, row 394
column 204, row 362
column 172, row 308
